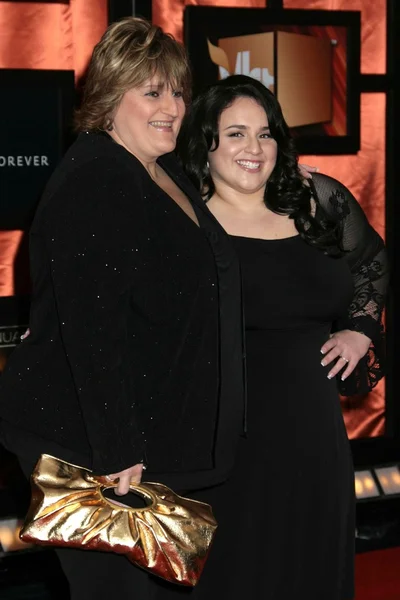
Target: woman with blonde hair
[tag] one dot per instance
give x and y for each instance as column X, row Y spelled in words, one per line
column 135, row 349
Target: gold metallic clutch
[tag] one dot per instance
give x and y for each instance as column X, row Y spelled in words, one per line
column 170, row 537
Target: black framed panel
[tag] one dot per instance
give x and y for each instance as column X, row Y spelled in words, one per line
column 35, row 119
column 240, row 38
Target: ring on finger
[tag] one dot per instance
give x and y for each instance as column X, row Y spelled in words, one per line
column 345, row 359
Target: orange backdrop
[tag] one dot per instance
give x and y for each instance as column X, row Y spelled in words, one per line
column 363, row 174
column 50, row 36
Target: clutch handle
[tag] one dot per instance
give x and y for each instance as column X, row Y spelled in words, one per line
column 140, row 490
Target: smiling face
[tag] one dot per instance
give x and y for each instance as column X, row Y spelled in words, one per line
column 246, row 155
column 148, row 119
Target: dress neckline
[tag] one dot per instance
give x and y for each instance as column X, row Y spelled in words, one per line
column 284, row 239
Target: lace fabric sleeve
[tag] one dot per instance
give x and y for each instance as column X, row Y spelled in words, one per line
column 365, row 254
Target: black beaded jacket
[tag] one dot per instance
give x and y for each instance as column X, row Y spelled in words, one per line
column 135, row 351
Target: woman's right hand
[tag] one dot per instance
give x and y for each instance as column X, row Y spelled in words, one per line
column 306, row 171
column 126, row 477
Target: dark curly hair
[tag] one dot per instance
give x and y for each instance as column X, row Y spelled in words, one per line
column 285, row 192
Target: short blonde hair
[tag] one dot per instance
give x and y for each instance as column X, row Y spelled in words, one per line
column 130, row 52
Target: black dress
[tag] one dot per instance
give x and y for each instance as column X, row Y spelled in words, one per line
column 297, row 461
column 286, row 515
column 286, row 526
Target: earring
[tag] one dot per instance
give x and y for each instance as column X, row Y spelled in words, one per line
column 109, row 127
column 208, row 166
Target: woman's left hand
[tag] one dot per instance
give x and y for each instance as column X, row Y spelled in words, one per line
column 349, row 347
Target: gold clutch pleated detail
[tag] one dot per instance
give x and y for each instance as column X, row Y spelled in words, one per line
column 170, row 537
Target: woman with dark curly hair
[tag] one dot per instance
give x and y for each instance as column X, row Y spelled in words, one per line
column 314, row 278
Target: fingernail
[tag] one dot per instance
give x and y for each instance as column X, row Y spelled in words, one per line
column 322, row 363
column 343, row 378
column 322, row 351
column 329, row 376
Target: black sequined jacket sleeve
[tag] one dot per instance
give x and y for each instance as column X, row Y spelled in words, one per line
column 365, row 254
column 90, row 229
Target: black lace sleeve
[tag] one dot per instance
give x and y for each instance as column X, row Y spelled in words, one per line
column 365, row 254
